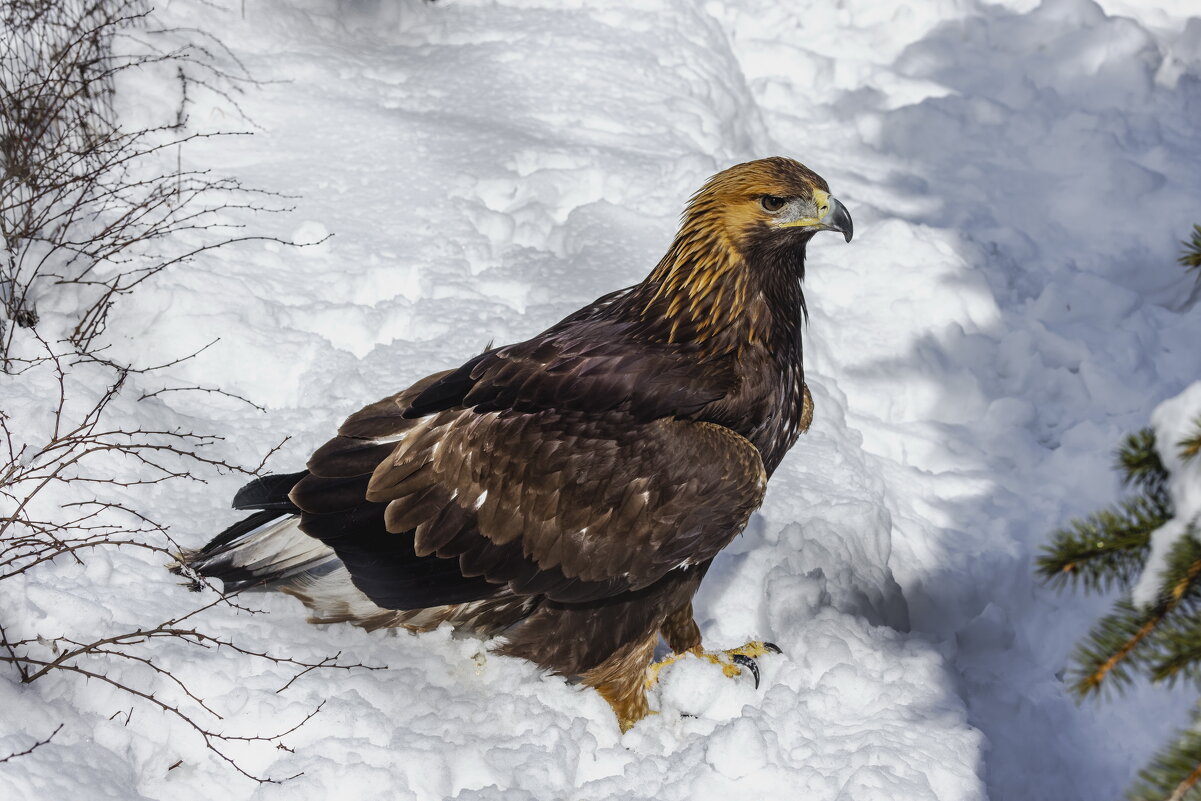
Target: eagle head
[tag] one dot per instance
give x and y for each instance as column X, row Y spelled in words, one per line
column 772, row 202
column 736, row 263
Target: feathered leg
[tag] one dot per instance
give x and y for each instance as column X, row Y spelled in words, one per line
column 681, row 632
column 621, row 680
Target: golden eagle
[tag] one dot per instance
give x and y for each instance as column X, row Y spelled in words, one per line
column 568, row 492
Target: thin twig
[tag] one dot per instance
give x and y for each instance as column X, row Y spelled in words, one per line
column 33, row 747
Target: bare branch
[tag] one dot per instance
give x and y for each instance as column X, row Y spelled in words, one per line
column 94, row 210
column 33, row 747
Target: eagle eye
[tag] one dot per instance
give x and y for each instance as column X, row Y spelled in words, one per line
column 772, row 203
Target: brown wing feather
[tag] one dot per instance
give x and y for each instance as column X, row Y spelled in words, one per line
column 558, row 466
column 383, row 420
column 598, row 497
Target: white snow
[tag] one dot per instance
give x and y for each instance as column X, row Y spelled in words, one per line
column 1020, row 175
column 1175, row 420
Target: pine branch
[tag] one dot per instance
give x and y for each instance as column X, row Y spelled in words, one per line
column 1161, row 640
column 1190, row 259
column 1181, row 644
column 1173, row 773
column 1107, row 548
column 1190, row 447
column 1129, row 636
column 1139, row 462
column 1107, row 655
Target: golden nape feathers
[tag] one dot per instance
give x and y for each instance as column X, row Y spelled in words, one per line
column 734, row 234
column 569, row 491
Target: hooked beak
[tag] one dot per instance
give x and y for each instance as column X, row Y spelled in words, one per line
column 838, row 219
column 831, row 216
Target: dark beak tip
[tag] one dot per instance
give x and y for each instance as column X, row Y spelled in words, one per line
column 842, row 222
column 839, row 219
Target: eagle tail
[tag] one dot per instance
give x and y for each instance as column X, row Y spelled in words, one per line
column 264, row 551
column 269, row 551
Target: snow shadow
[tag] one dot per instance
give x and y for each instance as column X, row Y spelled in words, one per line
column 1048, row 178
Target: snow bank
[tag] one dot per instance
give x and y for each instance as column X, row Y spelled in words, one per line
column 1019, row 176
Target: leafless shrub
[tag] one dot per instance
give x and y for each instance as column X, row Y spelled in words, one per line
column 73, row 452
column 88, row 212
column 85, row 203
column 62, row 499
column 36, row 657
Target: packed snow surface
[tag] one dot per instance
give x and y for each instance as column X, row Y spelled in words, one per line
column 1020, row 175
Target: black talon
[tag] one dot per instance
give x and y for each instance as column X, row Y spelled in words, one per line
column 749, row 664
column 771, row 646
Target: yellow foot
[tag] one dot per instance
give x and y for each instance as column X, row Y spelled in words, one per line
column 732, row 661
